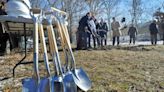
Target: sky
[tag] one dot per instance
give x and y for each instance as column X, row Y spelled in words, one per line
column 150, row 6
column 123, row 9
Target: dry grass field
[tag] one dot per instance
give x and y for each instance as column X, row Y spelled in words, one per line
column 111, row 69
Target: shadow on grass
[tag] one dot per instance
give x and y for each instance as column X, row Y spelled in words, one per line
column 5, row 78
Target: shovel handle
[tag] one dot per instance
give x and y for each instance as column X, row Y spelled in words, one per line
column 45, row 56
column 63, row 45
column 50, row 40
column 56, row 53
column 35, row 52
column 66, row 38
column 51, row 46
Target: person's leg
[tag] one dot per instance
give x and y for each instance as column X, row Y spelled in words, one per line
column 130, row 40
column 94, row 41
column 1, row 41
column 118, row 40
column 101, row 39
column 114, row 38
column 89, row 40
column 163, row 37
column 151, row 39
column 134, row 40
column 106, row 39
column 85, row 37
column 80, row 41
column 101, row 42
column 98, row 41
column 155, row 38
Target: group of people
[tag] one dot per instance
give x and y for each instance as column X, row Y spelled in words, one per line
column 89, row 27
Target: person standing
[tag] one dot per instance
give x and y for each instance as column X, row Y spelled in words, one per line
column 3, row 36
column 93, row 31
column 97, row 29
column 81, row 33
column 116, row 32
column 153, row 32
column 132, row 32
column 162, row 29
column 103, row 29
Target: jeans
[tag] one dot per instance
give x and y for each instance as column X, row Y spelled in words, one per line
column 104, row 40
column 154, row 39
column 132, row 38
column 88, row 40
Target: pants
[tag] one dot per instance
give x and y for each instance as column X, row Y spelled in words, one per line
column 3, row 39
column 153, row 39
column 118, row 40
column 2, row 46
column 163, row 38
column 94, row 41
column 132, row 38
column 103, row 38
column 88, row 40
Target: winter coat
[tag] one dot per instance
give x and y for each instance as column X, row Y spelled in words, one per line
column 153, row 28
column 103, row 26
column 92, row 25
column 115, row 28
column 83, row 23
column 132, row 32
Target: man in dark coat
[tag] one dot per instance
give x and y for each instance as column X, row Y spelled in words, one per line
column 81, row 33
column 132, row 32
column 3, row 36
column 162, row 28
column 153, row 32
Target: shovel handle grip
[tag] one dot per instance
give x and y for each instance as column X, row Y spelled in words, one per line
column 60, row 11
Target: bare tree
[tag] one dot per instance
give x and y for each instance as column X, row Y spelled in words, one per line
column 74, row 9
column 95, row 6
column 136, row 11
column 109, row 6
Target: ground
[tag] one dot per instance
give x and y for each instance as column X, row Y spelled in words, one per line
column 111, row 69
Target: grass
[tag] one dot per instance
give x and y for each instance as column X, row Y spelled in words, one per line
column 114, row 69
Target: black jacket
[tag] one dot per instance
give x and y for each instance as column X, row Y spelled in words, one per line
column 132, row 31
column 83, row 23
column 103, row 26
column 153, row 28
